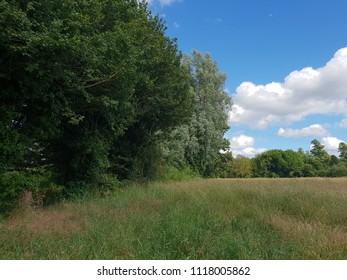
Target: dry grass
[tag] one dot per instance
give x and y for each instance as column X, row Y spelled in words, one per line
column 313, row 236
column 200, row 219
column 41, row 222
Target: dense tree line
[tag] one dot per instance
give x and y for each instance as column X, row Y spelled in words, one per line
column 291, row 164
column 93, row 92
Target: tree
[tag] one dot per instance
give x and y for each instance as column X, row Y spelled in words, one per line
column 278, row 163
column 338, row 170
column 343, row 151
column 317, row 149
column 321, row 158
column 242, row 167
column 224, row 165
column 83, row 80
column 208, row 122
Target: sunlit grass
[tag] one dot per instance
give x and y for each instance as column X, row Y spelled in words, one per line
column 200, row 219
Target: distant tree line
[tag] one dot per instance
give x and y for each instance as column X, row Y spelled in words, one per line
column 290, row 164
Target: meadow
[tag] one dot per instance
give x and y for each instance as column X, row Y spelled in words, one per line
column 275, row 219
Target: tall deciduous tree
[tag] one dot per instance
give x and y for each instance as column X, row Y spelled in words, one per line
column 79, row 78
column 343, row 151
column 208, row 122
column 321, row 158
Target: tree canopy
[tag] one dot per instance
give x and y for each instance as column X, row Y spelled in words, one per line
column 199, row 142
column 79, row 79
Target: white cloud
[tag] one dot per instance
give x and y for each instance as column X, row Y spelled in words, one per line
column 243, row 145
column 331, row 144
column 242, row 141
column 163, row 2
column 312, row 130
column 250, row 152
column 343, row 123
column 305, row 92
column 168, row 2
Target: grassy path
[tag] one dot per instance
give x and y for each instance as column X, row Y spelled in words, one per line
column 201, row 219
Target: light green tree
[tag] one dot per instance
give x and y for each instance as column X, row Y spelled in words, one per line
column 242, row 167
column 208, row 123
column 209, row 120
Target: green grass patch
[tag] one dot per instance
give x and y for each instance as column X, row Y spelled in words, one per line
column 199, row 219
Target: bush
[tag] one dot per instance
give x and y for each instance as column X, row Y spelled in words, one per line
column 171, row 173
column 104, row 185
column 337, row 170
column 27, row 187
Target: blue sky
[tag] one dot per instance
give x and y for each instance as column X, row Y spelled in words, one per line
column 286, row 63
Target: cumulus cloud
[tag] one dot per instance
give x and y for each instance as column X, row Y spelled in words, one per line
column 241, row 141
column 251, row 152
column 312, row 130
column 243, row 145
column 305, row 92
column 331, row 144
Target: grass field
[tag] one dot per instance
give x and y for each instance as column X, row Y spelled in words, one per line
column 200, row 219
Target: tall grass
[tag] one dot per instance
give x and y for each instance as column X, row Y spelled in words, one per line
column 199, row 219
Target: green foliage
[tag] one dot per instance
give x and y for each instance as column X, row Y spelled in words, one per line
column 170, row 173
column 337, row 170
column 224, row 166
column 316, row 163
column 343, row 151
column 320, row 159
column 86, row 87
column 198, row 143
column 209, row 120
column 242, row 167
column 278, row 163
column 318, row 149
column 38, row 184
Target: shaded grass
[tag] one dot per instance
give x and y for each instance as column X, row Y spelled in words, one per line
column 200, row 219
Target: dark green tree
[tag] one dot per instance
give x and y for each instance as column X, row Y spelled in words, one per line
column 83, row 80
column 317, row 149
column 320, row 158
column 343, row 151
column 278, row 163
column 225, row 165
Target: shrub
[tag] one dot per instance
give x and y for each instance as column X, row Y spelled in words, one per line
column 103, row 186
column 337, row 170
column 172, row 173
column 27, row 188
